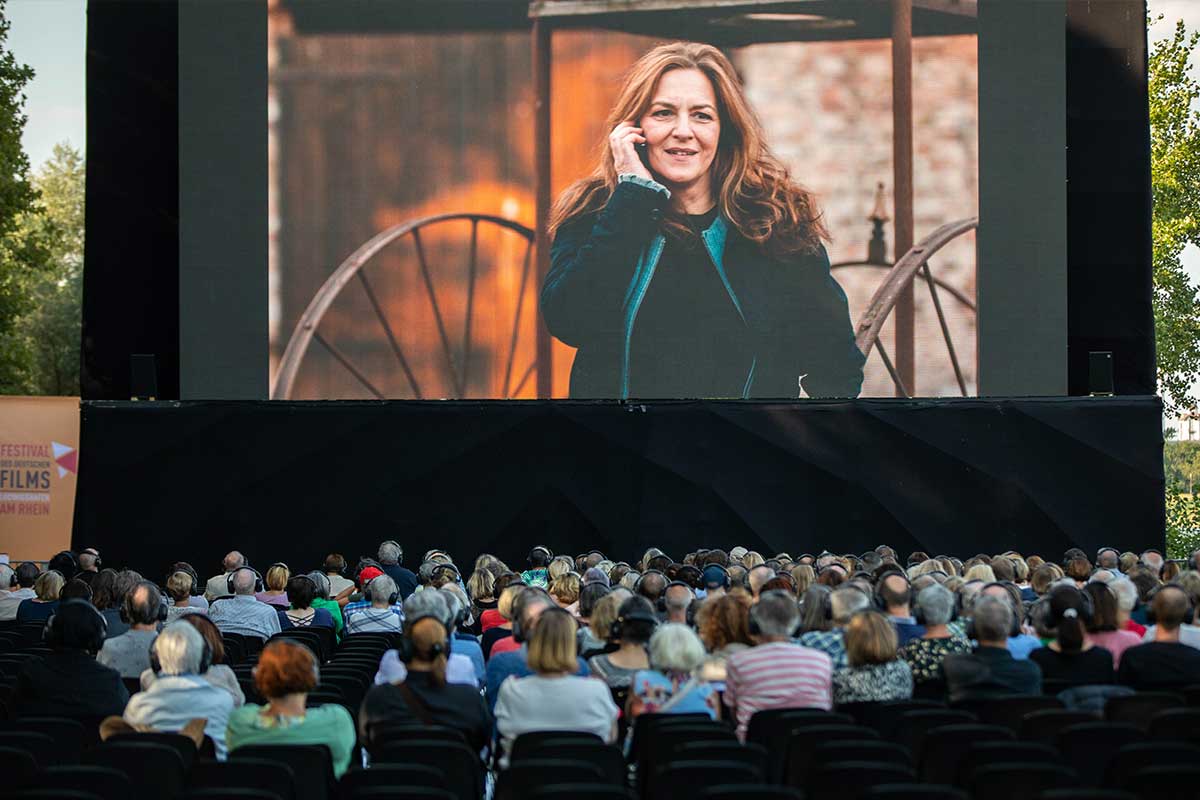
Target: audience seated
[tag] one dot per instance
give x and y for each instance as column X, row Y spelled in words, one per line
column 538, row 574
column 1072, row 659
column 926, row 654
column 874, row 671
column 379, row 611
column 276, row 583
column 1189, row 631
column 845, row 602
column 218, row 585
column 528, row 608
column 552, row 697
column 69, row 682
column 776, row 672
column 286, row 672
column 16, row 586
column 424, row 697
column 180, row 693
column 129, row 653
column 43, row 604
column 991, row 670
column 673, row 685
column 322, row 599
column 390, row 554
column 631, row 632
column 464, row 643
column 503, row 629
column 677, row 602
column 218, row 673
column 1020, row 643
column 334, row 568
column 300, row 593
column 1165, row 663
column 724, row 628
column 241, row 613
column 481, row 588
column 1104, row 629
column 107, row 597
column 894, row 594
column 179, row 590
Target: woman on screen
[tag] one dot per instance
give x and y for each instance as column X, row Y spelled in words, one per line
column 688, row 264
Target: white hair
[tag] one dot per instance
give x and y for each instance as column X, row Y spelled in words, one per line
column 389, row 553
column 381, row 589
column 179, row 648
column 6, row 577
column 846, row 602
column 675, row 647
column 1126, row 592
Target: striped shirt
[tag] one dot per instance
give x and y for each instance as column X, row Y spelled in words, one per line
column 777, row 675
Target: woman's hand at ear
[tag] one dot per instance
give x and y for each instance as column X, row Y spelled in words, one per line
column 622, row 141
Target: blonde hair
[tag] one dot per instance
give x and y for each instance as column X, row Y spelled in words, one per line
column 804, row 576
column 552, row 646
column 870, row 639
column 277, row 578
column 481, row 584
column 179, row 586
column 980, row 572
column 605, row 612
column 49, row 585
column 559, row 566
column 505, row 604
column 753, row 189
column 752, row 559
column 565, row 588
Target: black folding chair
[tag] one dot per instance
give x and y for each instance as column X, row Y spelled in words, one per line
column 43, row 749
column 1044, row 726
column 1139, row 755
column 883, row 717
column 910, row 730
column 751, row 793
column 1006, row 781
column 647, row 725
column 753, row 755
column 245, row 773
column 1154, row 783
column 944, row 747
column 108, row 783
column 847, row 780
column 606, row 757
column 1138, row 709
column 527, row 744
column 311, row 765
column 391, row 776
column 391, row 734
column 68, row 734
column 460, row 765
column 773, row 728
column 516, row 782
column 17, row 766
column 913, row 791
column 580, row 791
column 400, row 793
column 1008, row 711
column 1087, row 747
column 156, row 768
column 683, row 780
column 1176, row 724
column 231, row 793
column 176, row 741
column 982, row 754
column 803, row 742
column 859, row 750
column 654, row 752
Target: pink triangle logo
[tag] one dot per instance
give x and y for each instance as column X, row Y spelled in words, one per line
column 67, row 459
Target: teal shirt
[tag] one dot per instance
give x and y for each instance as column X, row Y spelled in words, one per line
column 329, row 725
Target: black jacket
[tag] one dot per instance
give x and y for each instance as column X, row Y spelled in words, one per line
column 989, row 672
column 69, row 683
column 602, row 263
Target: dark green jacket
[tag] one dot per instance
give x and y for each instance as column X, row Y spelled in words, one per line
column 601, row 265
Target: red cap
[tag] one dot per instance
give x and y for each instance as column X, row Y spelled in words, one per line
column 370, row 573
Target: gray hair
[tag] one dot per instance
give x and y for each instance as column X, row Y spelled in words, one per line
column 6, row 576
column 776, row 613
column 993, row 619
column 675, row 648
column 455, row 592
column 179, row 649
column 322, row 582
column 389, row 553
column 381, row 589
column 1126, row 592
column 967, row 594
column 936, row 603
column 848, row 601
column 427, row 603
column 243, row 581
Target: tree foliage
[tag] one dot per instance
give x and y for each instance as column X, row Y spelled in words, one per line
column 1175, row 176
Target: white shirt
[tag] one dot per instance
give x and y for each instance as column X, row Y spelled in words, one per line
column 337, row 585
column 172, row 701
column 459, row 669
column 217, row 586
column 10, row 600
column 571, row 703
column 245, row 615
column 1188, row 634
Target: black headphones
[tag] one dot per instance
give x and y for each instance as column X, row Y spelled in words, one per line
column 637, row 585
column 392, row 598
column 878, row 600
column 1104, row 550
column 661, row 604
column 91, row 551
column 130, row 616
column 1188, row 617
column 618, row 627
column 919, row 613
column 197, row 589
column 518, row 633
column 407, row 651
column 258, row 578
column 541, row 547
column 724, row 573
column 1014, row 629
column 755, row 629
column 52, row 633
column 440, row 568
column 205, row 656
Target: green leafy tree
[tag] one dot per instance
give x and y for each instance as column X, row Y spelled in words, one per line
column 1175, row 176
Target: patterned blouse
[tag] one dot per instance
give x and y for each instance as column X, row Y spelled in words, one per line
column 892, row 680
column 925, row 656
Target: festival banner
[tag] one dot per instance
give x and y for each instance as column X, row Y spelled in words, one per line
column 39, row 458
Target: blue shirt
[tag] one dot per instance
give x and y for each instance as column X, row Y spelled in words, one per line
column 831, row 642
column 465, row 644
column 1021, row 645
column 173, row 701
column 514, row 662
column 654, row 689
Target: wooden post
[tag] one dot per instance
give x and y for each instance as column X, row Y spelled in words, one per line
column 902, row 165
column 541, row 172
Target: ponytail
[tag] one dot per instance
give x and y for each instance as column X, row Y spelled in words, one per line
column 1071, row 631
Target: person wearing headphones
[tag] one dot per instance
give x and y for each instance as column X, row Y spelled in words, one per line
column 844, row 603
column 301, row 589
column 286, row 672
column 1072, row 658
column 991, row 670
column 874, row 671
column 218, row 585
column 776, row 672
column 631, row 632
column 179, row 590
column 528, row 607
column 275, row 592
column 69, row 682
column 16, row 586
column 390, row 555
column 143, row 609
column 179, row 658
column 44, row 603
column 1165, row 663
column 926, row 654
column 241, row 613
column 382, row 614
column 424, row 696
column 550, row 696
column 538, row 574
column 893, row 595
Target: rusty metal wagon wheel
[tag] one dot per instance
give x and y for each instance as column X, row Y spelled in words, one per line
column 914, row 264
column 308, row 327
